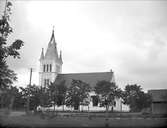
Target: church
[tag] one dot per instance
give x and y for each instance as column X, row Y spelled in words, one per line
column 51, row 69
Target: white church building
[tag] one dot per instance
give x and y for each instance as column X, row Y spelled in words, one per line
column 51, row 69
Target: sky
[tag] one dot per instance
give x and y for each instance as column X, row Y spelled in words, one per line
column 126, row 36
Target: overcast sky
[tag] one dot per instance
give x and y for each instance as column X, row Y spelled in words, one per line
column 129, row 37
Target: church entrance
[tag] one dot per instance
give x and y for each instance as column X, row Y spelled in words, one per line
column 95, row 100
column 76, row 107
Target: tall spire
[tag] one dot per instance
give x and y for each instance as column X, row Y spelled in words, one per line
column 52, row 37
column 42, row 55
column 51, row 51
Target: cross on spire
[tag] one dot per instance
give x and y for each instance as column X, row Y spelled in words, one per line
column 52, row 39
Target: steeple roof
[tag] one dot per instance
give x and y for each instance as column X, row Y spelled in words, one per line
column 51, row 52
column 42, row 55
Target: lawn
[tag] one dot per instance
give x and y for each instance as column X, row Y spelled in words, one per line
column 21, row 120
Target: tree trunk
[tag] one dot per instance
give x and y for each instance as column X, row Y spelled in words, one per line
column 11, row 102
column 88, row 111
column 112, row 108
column 107, row 111
column 54, row 107
column 28, row 105
column 1, row 101
column 106, row 124
column 63, row 107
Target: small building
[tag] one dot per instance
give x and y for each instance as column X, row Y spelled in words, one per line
column 159, row 101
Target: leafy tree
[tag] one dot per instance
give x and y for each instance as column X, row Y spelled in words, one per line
column 44, row 97
column 24, row 95
column 37, row 96
column 107, row 92
column 61, row 89
column 7, row 97
column 136, row 98
column 12, row 99
column 18, row 102
column 77, row 93
column 12, row 94
column 52, row 93
column 57, row 91
column 7, row 76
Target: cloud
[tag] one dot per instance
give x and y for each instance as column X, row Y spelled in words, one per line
column 128, row 37
column 148, row 69
column 156, row 48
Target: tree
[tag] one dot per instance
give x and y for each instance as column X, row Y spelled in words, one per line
column 13, row 98
column 12, row 93
column 44, row 97
column 61, row 93
column 9, row 96
column 136, row 98
column 7, row 76
column 57, row 91
column 52, row 93
column 107, row 92
column 36, row 95
column 77, row 93
column 18, row 102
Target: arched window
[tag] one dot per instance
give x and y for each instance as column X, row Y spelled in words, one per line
column 50, row 68
column 46, row 82
column 44, row 68
column 47, row 67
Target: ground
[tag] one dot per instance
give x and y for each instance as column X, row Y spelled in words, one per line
column 19, row 119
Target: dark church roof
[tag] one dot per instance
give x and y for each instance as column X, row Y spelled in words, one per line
column 158, row 95
column 90, row 78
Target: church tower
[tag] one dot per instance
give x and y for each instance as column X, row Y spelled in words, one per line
column 50, row 63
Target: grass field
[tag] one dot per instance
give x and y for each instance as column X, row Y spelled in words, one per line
column 19, row 119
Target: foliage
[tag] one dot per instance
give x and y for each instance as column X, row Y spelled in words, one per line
column 6, row 97
column 136, row 98
column 7, row 76
column 37, row 96
column 57, row 92
column 44, row 98
column 12, row 98
column 107, row 93
column 77, row 93
column 18, row 100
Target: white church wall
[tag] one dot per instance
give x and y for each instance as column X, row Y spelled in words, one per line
column 50, row 74
column 125, row 108
column 40, row 80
